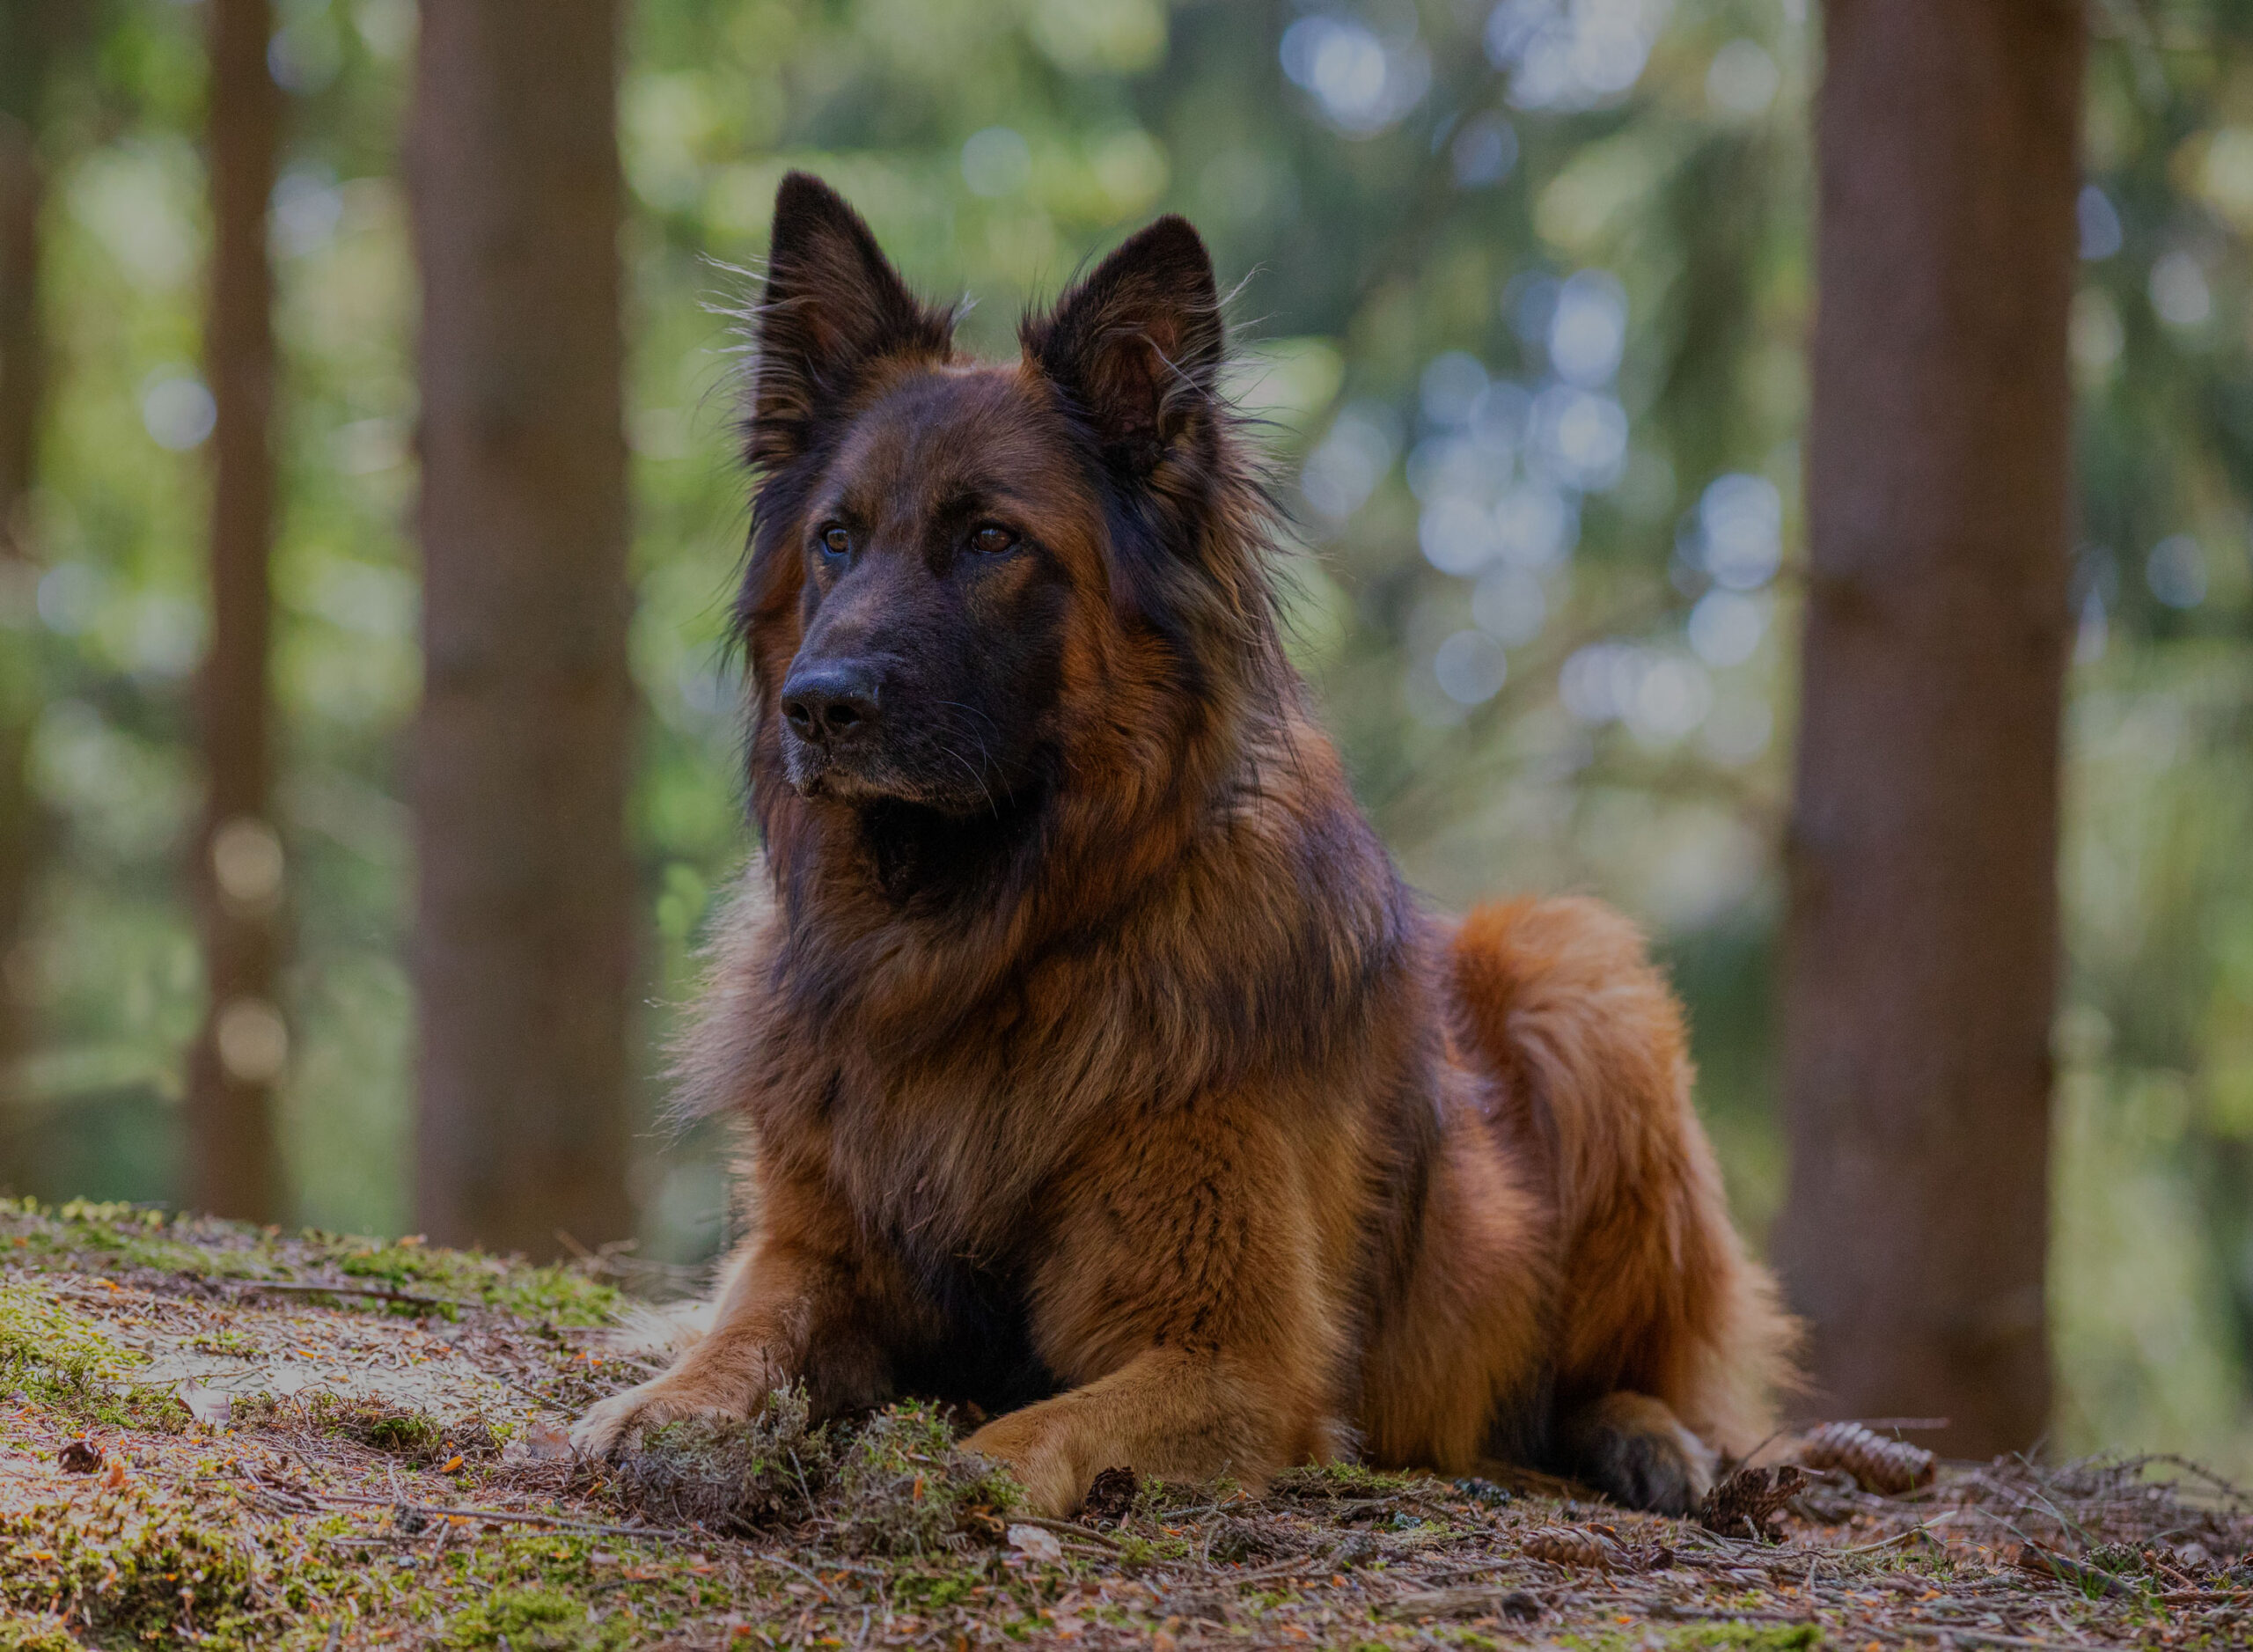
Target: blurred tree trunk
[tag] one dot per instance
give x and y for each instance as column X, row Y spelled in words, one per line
column 27, row 30
column 1922, row 939
column 238, row 867
column 523, row 938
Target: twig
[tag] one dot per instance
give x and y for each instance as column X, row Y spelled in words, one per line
column 1884, row 1543
column 379, row 1293
column 1669, row 1609
column 1298, row 1565
column 1067, row 1528
column 1962, row 1631
column 2044, row 1563
column 1913, row 1425
column 809, row 1577
column 669, row 1533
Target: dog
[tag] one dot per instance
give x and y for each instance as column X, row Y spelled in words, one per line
column 1098, row 1070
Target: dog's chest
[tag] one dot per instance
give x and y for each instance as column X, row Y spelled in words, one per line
column 953, row 1176
column 982, row 1348
column 949, row 1191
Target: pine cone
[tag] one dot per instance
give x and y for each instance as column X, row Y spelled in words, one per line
column 1878, row 1465
column 1569, row 1545
column 1744, row 1505
column 1110, row 1497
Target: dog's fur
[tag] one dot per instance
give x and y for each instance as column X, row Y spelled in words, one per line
column 1100, row 1070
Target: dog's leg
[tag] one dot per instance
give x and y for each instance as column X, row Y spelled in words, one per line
column 787, row 1313
column 1634, row 1449
column 1183, row 1297
column 1656, row 1295
column 1168, row 1413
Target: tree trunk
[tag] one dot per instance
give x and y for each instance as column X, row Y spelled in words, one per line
column 237, row 864
column 1922, row 939
column 28, row 45
column 523, row 944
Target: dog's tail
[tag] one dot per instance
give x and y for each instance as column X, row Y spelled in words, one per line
column 1560, row 1001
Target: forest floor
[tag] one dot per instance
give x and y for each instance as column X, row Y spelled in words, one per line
column 211, row 1435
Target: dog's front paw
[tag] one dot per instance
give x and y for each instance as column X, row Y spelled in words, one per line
column 1633, row 1448
column 608, row 1425
column 1034, row 1458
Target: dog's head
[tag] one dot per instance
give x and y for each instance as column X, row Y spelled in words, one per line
column 961, row 572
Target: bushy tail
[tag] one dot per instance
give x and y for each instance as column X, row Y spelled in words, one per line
column 1657, row 1296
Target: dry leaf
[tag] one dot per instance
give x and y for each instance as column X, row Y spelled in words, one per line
column 540, row 1442
column 209, row 1406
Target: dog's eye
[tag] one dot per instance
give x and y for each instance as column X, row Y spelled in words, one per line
column 836, row 541
column 992, row 539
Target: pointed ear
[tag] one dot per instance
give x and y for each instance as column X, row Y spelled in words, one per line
column 1137, row 346
column 833, row 306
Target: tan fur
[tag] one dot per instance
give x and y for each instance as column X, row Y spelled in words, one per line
column 1178, row 1136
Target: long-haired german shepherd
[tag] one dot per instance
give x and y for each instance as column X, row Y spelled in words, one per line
column 1099, row 1069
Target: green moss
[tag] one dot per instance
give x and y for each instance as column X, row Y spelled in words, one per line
column 936, row 1591
column 905, row 1487
column 1751, row 1637
column 412, row 1436
column 27, row 1636
column 132, row 1563
column 55, row 1354
column 131, row 1237
column 62, row 1360
column 559, row 1296
column 228, row 1343
column 124, row 1239
column 1344, row 1480
column 736, row 1477
column 898, row 1485
column 533, row 1620
column 1704, row 1637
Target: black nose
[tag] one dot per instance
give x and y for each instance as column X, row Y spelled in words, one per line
column 830, row 702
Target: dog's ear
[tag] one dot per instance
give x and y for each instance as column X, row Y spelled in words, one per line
column 833, row 306
column 1137, row 347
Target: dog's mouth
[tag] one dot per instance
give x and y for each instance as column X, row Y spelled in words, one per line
column 816, row 771
column 863, row 776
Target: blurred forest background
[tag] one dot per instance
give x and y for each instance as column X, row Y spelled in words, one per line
column 1526, row 305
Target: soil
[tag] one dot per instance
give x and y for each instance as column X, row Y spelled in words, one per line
column 222, row 1437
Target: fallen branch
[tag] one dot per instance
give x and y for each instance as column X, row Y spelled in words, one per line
column 2042, row 1562
column 380, row 1293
